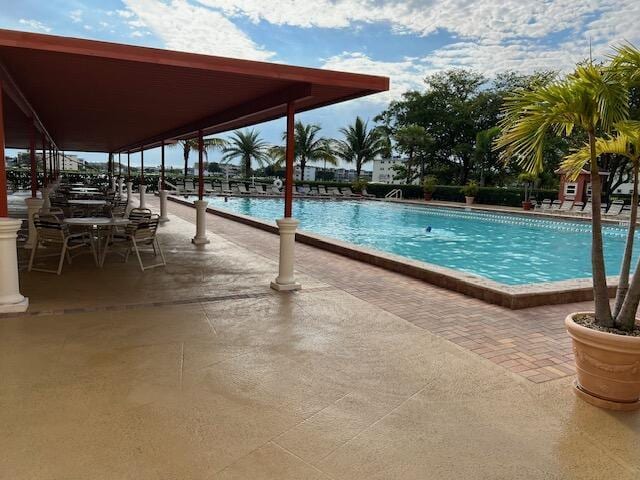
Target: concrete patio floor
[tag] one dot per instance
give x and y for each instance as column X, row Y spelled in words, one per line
column 200, row 371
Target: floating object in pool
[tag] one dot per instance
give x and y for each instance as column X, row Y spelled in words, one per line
column 226, row 199
column 428, row 229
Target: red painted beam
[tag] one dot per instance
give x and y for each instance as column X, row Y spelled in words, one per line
column 200, row 166
column 290, row 153
column 4, row 207
column 162, row 186
column 34, row 168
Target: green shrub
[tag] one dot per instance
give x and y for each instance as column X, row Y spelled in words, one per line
column 470, row 189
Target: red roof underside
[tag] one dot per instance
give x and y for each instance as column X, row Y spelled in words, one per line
column 105, row 97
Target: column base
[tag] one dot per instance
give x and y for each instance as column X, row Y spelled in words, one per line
column 200, row 241
column 288, row 287
column 15, row 307
column 163, row 219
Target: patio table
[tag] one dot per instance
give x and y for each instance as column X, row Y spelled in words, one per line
column 88, row 204
column 99, row 225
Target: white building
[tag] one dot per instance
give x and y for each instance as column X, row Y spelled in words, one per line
column 383, row 171
column 71, row 162
column 309, row 173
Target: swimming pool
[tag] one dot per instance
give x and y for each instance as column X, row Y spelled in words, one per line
column 509, row 249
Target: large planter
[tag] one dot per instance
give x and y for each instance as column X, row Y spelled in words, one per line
column 469, row 200
column 527, row 205
column 428, row 196
column 607, row 365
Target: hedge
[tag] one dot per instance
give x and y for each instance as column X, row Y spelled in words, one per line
column 511, row 197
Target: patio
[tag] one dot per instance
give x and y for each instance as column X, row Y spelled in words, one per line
column 200, row 370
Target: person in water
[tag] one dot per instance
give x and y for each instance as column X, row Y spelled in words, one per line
column 428, row 229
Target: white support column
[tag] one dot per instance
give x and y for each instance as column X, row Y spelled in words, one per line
column 285, row 280
column 163, row 206
column 33, row 206
column 201, row 223
column 120, row 187
column 143, row 190
column 10, row 298
column 46, row 203
column 129, row 196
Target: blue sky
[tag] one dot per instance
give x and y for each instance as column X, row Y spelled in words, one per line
column 404, row 40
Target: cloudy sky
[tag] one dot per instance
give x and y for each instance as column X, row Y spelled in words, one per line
column 404, row 40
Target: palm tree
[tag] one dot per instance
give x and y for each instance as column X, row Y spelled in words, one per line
column 592, row 99
column 247, row 146
column 361, row 144
column 308, row 147
column 625, row 143
column 192, row 144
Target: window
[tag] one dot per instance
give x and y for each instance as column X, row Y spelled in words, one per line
column 570, row 188
column 589, row 189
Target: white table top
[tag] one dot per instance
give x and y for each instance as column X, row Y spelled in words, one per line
column 76, row 192
column 91, row 203
column 84, row 190
column 94, row 221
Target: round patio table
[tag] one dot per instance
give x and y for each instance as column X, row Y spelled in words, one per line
column 100, row 224
column 84, row 189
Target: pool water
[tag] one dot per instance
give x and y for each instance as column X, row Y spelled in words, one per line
column 509, row 249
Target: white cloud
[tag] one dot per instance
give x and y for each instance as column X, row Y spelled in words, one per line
column 34, row 25
column 76, row 16
column 488, row 19
column 186, row 27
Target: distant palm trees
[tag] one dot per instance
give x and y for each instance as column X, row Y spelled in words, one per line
column 309, row 146
column 192, row 144
column 362, row 144
column 248, row 147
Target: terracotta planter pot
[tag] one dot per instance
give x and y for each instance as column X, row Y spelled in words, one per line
column 527, row 205
column 607, row 365
column 469, row 200
column 428, row 196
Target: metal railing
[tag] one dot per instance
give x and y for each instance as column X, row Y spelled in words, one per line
column 395, row 193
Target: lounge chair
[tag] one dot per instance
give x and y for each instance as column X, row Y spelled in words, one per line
column 226, row 190
column 347, row 192
column 587, row 210
column 260, row 190
column 545, row 204
column 371, row 195
column 322, row 191
column 615, row 208
column 564, row 207
column 555, row 205
column 576, row 208
column 334, row 192
column 242, row 189
column 308, row 191
column 626, row 211
column 275, row 191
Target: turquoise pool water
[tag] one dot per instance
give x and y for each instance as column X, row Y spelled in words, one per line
column 509, row 249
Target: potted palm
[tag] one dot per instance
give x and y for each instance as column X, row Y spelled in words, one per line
column 595, row 99
column 527, row 179
column 429, row 186
column 470, row 190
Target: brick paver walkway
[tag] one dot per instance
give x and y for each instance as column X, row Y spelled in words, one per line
column 531, row 343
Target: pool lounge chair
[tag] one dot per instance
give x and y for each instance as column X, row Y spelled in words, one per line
column 576, row 208
column 587, row 210
column 545, row 204
column 242, row 189
column 275, row 191
column 309, row 191
column 334, row 192
column 371, row 195
column 226, row 189
column 322, row 191
column 347, row 192
column 615, row 208
column 564, row 207
column 555, row 205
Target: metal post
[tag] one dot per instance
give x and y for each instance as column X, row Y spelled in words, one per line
column 128, row 166
column 4, row 206
column 162, row 185
column 163, row 193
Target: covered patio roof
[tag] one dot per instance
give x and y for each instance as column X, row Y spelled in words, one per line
column 106, row 97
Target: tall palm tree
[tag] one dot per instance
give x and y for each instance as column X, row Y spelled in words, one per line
column 592, row 99
column 192, row 144
column 625, row 143
column 308, row 147
column 362, row 144
column 248, row 147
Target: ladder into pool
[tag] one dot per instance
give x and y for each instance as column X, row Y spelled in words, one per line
column 395, row 193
